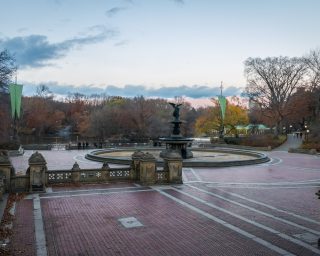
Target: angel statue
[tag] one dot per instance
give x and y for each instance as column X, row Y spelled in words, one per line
column 176, row 107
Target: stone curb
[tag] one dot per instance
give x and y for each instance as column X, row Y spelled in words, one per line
column 261, row 158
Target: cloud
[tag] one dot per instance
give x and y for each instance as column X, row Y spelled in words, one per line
column 195, row 92
column 179, row 1
column 20, row 30
column 37, row 51
column 29, row 89
column 58, row 2
column 115, row 10
column 122, row 43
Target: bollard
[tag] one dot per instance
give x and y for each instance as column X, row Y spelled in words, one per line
column 148, row 169
column 37, row 171
column 173, row 165
column 75, row 173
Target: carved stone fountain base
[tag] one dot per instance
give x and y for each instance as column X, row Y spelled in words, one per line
column 177, row 144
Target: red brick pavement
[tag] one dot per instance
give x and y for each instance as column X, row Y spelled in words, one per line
column 298, row 200
column 73, row 187
column 23, row 239
column 266, row 235
column 301, row 201
column 89, row 226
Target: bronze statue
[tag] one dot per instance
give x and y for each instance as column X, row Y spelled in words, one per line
column 176, row 107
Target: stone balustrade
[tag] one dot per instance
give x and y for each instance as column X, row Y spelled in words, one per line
column 142, row 170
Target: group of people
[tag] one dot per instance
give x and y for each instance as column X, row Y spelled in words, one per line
column 299, row 135
column 83, row 145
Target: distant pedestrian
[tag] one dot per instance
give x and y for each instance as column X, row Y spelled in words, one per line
column 87, row 144
column 79, row 145
column 83, row 145
column 301, row 135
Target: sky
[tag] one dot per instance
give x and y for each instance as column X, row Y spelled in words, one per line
column 154, row 48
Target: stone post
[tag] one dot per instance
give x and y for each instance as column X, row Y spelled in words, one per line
column 75, row 173
column 135, row 164
column 105, row 170
column 37, row 171
column 147, row 169
column 6, row 170
column 173, row 165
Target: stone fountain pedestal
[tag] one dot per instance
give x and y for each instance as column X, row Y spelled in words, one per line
column 176, row 142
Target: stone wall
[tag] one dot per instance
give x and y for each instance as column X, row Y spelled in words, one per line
column 143, row 170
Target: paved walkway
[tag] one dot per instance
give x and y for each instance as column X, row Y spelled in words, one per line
column 56, row 160
column 292, row 142
column 267, row 209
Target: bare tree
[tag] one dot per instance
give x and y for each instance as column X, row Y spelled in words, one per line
column 43, row 91
column 7, row 69
column 271, row 82
column 312, row 61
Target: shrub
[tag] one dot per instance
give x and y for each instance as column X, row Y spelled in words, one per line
column 10, row 145
column 233, row 140
column 311, row 145
column 261, row 140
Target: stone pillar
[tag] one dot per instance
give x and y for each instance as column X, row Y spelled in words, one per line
column 147, row 169
column 135, row 164
column 173, row 165
column 37, row 171
column 105, row 170
column 6, row 170
column 75, row 173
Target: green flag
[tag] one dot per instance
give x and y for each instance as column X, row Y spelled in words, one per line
column 15, row 97
column 223, row 105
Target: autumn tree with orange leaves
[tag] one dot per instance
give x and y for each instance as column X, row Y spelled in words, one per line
column 209, row 122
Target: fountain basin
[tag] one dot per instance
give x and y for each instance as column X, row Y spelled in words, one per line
column 202, row 157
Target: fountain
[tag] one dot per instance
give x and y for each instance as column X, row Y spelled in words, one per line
column 176, row 142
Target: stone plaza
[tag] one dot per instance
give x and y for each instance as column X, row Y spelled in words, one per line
column 264, row 209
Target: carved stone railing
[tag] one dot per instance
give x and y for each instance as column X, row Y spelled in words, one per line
column 120, row 174
column 58, row 176
column 143, row 170
column 93, row 175
column 162, row 177
column 89, row 175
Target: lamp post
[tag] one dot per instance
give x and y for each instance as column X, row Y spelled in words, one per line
column 307, row 135
column 222, row 102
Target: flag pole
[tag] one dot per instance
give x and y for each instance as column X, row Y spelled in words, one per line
column 15, row 133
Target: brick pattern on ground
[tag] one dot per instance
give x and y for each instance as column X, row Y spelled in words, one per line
column 268, row 236
column 71, row 187
column 89, row 225
column 78, row 221
column 23, row 239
